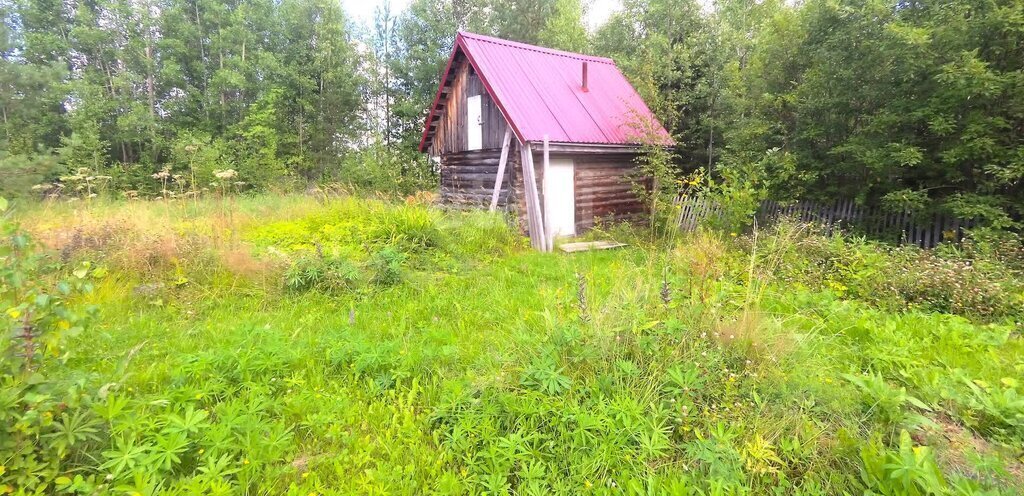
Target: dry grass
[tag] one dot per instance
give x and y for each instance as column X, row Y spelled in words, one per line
column 150, row 239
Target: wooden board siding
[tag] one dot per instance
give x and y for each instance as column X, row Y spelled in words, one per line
column 450, row 135
column 605, row 190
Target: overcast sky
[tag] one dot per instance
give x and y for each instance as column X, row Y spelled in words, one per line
column 361, row 11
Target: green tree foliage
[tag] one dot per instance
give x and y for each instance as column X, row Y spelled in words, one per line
column 120, row 87
column 671, row 52
column 912, row 105
column 908, row 105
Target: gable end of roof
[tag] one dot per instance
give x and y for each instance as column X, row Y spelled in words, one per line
column 540, row 94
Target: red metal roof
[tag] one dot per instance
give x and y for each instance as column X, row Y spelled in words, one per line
column 539, row 91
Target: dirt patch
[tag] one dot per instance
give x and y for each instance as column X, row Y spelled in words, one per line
column 958, row 450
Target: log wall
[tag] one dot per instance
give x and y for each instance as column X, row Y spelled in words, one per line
column 467, row 178
column 604, row 184
column 605, row 190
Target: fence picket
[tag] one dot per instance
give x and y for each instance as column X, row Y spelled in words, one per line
column 837, row 215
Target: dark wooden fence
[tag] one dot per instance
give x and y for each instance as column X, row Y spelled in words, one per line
column 899, row 227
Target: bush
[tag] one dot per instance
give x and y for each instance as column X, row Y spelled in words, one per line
column 411, row 227
column 389, row 170
column 960, row 282
column 47, row 426
column 949, row 285
column 386, row 267
column 324, row 274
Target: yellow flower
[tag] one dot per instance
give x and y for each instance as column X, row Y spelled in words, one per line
column 245, row 461
column 13, row 312
column 305, row 474
column 201, row 451
column 63, row 324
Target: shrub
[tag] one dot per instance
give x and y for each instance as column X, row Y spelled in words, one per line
column 412, row 227
column 908, row 470
column 322, row 273
column 47, row 426
column 949, row 285
column 386, row 267
column 941, row 280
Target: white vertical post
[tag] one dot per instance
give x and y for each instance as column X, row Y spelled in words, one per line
column 501, row 168
column 548, row 235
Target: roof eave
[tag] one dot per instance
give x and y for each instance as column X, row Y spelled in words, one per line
column 460, row 44
column 440, row 89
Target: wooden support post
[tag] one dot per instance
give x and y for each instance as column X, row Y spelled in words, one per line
column 548, row 235
column 501, row 169
column 532, row 200
column 531, row 219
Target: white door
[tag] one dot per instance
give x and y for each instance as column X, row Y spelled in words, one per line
column 561, row 201
column 474, row 123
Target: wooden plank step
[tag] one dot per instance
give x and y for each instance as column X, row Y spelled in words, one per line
column 590, row 245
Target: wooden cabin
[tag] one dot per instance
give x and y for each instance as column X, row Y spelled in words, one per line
column 552, row 136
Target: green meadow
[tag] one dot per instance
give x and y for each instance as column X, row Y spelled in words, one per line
column 286, row 344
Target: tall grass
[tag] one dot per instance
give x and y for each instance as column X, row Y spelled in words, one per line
column 356, row 346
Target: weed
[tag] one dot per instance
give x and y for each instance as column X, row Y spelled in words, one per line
column 415, row 351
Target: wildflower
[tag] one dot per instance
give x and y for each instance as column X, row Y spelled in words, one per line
column 305, row 474
column 245, row 461
column 225, row 174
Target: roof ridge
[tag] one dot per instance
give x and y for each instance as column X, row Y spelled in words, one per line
column 538, row 49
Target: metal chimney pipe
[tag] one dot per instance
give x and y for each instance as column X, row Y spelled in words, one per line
column 585, row 89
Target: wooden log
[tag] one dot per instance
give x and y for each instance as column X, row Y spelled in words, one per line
column 533, row 202
column 501, row 168
column 612, row 188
